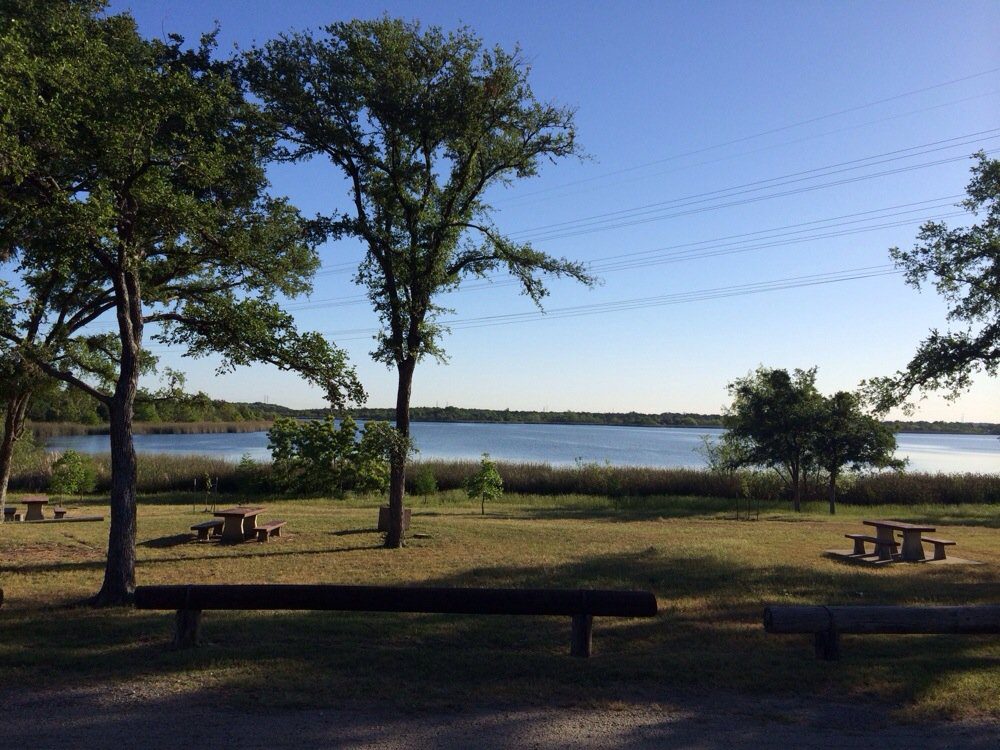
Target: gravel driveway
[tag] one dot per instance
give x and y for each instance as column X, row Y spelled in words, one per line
column 121, row 718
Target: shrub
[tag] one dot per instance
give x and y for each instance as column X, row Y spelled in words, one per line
column 424, row 482
column 485, row 484
column 73, row 474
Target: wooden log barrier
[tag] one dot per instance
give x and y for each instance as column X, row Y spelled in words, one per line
column 582, row 605
column 827, row 623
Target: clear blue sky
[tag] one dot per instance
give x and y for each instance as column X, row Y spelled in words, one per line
column 676, row 100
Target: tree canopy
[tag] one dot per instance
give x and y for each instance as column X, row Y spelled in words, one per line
column 421, row 123
column 781, row 421
column 134, row 193
column 963, row 266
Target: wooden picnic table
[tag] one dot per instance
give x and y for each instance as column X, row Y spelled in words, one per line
column 239, row 523
column 34, row 508
column 912, row 550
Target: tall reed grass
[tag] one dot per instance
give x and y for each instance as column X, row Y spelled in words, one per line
column 179, row 473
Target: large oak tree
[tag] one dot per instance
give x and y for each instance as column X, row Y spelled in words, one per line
column 133, row 192
column 421, row 123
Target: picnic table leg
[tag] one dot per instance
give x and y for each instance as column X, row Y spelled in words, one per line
column 885, row 550
column 232, row 529
column 249, row 527
column 913, row 550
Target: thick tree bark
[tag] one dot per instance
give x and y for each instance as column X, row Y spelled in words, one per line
column 833, row 493
column 397, row 469
column 796, row 488
column 119, row 572
column 17, row 407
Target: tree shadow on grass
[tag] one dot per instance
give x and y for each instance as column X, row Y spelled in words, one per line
column 708, row 635
column 166, row 542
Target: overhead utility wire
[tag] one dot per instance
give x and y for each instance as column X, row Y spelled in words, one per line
column 729, row 157
column 747, row 201
column 658, row 301
column 685, row 251
column 699, row 249
column 762, row 133
column 779, row 181
column 750, row 187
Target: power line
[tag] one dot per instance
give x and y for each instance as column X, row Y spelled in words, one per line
column 779, row 181
column 736, row 290
column 730, row 244
column 748, row 201
column 763, row 133
column 729, row 157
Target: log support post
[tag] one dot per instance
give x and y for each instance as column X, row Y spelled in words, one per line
column 187, row 627
column 827, row 645
column 582, row 636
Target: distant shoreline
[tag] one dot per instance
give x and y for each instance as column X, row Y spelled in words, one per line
column 46, row 430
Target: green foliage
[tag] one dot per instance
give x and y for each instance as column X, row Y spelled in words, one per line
column 780, row 421
column 485, row 484
column 321, row 457
column 423, row 481
column 963, row 267
column 771, row 422
column 421, row 124
column 73, row 474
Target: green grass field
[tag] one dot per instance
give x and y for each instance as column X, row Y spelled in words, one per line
column 712, row 576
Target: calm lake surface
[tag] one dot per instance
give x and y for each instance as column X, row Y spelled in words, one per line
column 561, row 445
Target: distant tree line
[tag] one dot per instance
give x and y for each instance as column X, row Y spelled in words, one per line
column 71, row 405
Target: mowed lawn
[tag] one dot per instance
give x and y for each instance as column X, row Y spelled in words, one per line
column 711, row 574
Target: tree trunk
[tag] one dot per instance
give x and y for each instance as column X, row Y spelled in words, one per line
column 17, row 407
column 833, row 493
column 796, row 489
column 119, row 572
column 397, row 469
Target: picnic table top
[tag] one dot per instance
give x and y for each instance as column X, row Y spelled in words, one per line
column 239, row 511
column 902, row 526
column 30, row 500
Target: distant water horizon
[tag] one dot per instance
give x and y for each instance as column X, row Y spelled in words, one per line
column 561, row 445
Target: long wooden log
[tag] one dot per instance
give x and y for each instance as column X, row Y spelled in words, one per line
column 68, row 519
column 471, row 601
column 882, row 619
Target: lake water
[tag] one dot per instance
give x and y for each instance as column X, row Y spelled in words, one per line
column 561, row 445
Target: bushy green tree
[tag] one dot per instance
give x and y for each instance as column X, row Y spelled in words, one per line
column 846, row 437
column 421, row 123
column 321, row 457
column 781, row 421
column 73, row 474
column 771, row 422
column 485, row 484
column 133, row 186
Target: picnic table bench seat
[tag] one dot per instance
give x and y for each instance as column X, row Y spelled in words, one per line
column 267, row 530
column 59, row 512
column 214, row 525
column 939, row 545
column 11, row 514
column 860, row 539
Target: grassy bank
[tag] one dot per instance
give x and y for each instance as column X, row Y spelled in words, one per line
column 170, row 473
column 712, row 577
